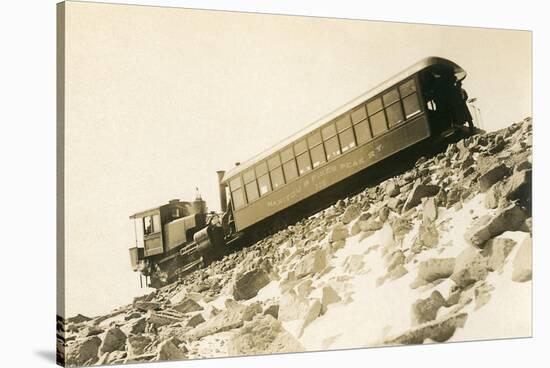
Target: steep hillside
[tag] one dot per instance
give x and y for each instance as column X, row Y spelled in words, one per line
column 439, row 253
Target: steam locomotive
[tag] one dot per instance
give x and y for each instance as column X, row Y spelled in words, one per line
column 419, row 109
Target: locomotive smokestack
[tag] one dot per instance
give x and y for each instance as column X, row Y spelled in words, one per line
column 223, row 197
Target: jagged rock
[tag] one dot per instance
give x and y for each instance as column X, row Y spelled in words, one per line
column 83, row 351
column 428, row 236
column 354, row 264
column 292, row 306
column 114, row 340
column 425, row 310
column 132, row 315
column 168, row 350
column 351, row 213
column 395, row 259
column 312, row 313
column 383, row 214
column 508, row 219
column 247, row 285
column 136, row 344
column 263, row 335
column 470, row 267
column 227, row 319
column 492, row 197
column 113, row 357
column 497, row 251
column 304, row 288
column 196, row 320
column 434, row 269
column 439, row 330
column 272, row 310
column 371, row 225
column 251, row 310
column 338, row 232
column 79, row 318
column 138, row 326
column 401, row 226
column 312, row 263
column 392, row 189
column 523, row 267
column 330, row 296
column 187, row 305
column 518, row 187
column 91, row 331
column 418, row 192
column 429, row 209
column 492, row 175
column 146, row 306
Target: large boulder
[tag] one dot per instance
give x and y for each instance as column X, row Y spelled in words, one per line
column 312, row 313
column 263, row 335
column 312, row 263
column 187, row 305
column 392, row 189
column 338, row 232
column 424, row 310
column 292, row 306
column 492, row 175
column 523, row 262
column 352, row 212
column 136, row 344
column 114, row 340
column 496, row 251
column 330, row 296
column 248, row 284
column 518, row 187
column 168, row 350
column 434, row 269
column 471, row 266
column 83, row 351
column 510, row 218
column 228, row 319
column 418, row 192
column 439, row 330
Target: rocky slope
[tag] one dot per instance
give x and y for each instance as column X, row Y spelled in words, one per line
column 439, row 253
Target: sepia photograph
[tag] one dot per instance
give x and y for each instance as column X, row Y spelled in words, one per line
column 236, row 183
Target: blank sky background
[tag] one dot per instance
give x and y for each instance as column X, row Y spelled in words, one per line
column 158, row 99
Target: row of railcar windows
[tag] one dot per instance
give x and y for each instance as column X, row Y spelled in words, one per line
column 349, row 130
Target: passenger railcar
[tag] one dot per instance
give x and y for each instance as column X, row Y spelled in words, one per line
column 420, row 108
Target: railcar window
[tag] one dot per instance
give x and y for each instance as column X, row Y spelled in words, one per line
column 394, row 113
column 347, row 140
column 314, row 139
column 252, row 191
column 328, row 131
column 148, row 225
column 304, row 163
column 156, row 223
column 362, row 132
column 175, row 212
column 238, row 198
column 390, row 97
column 374, row 106
column 343, row 123
column 277, row 178
column 332, row 148
column 300, row 147
column 407, row 88
column 287, row 154
column 235, row 183
column 411, row 105
column 318, row 155
column 358, row 114
column 290, row 170
column 264, row 184
column 274, row 162
column 378, row 123
column 261, row 169
column 249, row 176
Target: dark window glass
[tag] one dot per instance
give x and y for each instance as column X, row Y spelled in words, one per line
column 317, row 155
column 374, row 106
column 238, row 198
column 394, row 113
column 235, row 183
column 148, row 225
column 273, row 162
column 252, row 191
column 264, row 184
column 314, row 139
column 277, row 178
column 343, row 123
column 261, row 169
column 390, row 97
column 378, row 123
column 411, row 105
column 362, row 132
column 287, row 154
column 290, row 170
column 300, row 147
column 332, row 148
column 407, row 88
column 347, row 141
column 304, row 164
column 249, row 176
column 358, row 114
column 328, row 131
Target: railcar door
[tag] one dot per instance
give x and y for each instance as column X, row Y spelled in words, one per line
column 441, row 94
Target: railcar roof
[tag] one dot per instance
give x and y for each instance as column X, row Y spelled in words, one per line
column 422, row 64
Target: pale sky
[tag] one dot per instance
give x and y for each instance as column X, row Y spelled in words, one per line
column 158, row 99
